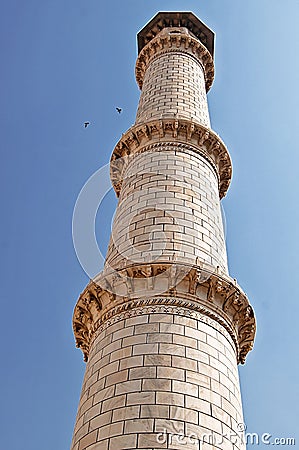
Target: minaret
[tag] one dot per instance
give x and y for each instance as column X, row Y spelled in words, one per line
column 164, row 326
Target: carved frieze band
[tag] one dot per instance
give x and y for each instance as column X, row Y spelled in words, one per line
column 179, row 40
column 161, row 305
column 198, row 289
column 171, row 132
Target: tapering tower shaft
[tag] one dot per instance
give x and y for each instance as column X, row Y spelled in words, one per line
column 169, row 168
column 163, row 327
column 174, row 81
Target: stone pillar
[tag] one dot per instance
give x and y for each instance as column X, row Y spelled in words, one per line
column 163, row 327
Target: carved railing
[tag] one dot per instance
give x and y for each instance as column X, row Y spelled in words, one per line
column 195, row 290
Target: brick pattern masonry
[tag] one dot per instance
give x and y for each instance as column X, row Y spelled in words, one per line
column 158, row 372
column 168, row 208
column 174, row 84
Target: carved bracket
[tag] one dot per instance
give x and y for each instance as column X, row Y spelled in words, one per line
column 182, row 41
column 197, row 288
column 169, row 133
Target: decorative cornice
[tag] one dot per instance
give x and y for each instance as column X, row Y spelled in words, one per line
column 198, row 289
column 179, row 40
column 174, row 19
column 160, row 134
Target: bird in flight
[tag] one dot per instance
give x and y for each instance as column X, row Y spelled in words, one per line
column 86, row 124
column 118, row 110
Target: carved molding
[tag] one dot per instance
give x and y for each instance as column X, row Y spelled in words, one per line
column 164, row 305
column 197, row 289
column 172, row 132
column 175, row 40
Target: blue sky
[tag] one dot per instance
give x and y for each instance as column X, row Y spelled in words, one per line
column 64, row 62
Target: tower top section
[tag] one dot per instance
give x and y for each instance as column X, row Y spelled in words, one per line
column 176, row 19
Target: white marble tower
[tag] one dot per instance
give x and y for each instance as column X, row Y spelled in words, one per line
column 164, row 326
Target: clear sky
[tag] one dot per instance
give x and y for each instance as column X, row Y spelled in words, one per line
column 67, row 61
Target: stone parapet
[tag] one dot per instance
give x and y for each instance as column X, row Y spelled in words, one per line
column 198, row 291
column 155, row 134
column 180, row 40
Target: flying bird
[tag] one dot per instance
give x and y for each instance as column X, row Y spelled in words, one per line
column 86, row 124
column 118, row 110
